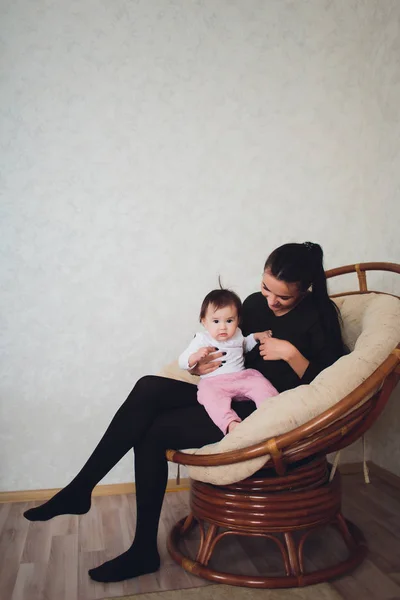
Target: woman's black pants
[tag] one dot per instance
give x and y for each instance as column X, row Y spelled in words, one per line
column 158, row 414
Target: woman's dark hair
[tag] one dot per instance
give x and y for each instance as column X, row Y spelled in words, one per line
column 303, row 264
column 220, row 299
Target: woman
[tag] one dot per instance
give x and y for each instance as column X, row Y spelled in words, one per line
column 163, row 413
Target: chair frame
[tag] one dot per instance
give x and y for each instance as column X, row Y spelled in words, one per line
column 296, row 475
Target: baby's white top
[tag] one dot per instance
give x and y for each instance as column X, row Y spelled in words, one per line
column 235, row 348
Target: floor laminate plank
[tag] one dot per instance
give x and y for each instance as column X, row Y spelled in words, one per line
column 50, row 560
column 12, row 542
column 4, row 512
column 264, row 554
column 65, row 524
column 91, row 535
column 34, row 587
column 30, row 581
column 386, row 510
column 25, row 572
column 38, row 543
column 173, row 577
column 370, row 582
column 62, row 573
column 381, row 543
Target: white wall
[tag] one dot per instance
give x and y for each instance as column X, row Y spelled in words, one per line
column 149, row 146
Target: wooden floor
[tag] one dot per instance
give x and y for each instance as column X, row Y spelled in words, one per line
column 49, row 561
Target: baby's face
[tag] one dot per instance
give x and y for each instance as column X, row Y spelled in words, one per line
column 221, row 323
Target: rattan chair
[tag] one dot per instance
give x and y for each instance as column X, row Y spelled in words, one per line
column 293, row 494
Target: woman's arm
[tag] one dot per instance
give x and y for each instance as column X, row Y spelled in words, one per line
column 275, row 349
column 297, row 361
column 324, row 351
column 321, row 350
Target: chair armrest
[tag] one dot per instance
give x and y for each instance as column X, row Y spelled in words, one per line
column 273, row 446
column 223, row 458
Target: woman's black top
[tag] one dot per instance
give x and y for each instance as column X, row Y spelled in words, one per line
column 302, row 327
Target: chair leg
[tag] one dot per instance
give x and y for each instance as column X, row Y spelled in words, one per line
column 205, row 550
column 189, row 523
column 292, row 553
column 341, row 524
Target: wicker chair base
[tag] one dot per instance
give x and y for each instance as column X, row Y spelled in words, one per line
column 285, row 509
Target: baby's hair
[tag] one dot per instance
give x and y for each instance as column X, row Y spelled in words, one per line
column 220, row 299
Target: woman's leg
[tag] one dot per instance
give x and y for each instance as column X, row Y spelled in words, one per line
column 188, row 427
column 150, row 397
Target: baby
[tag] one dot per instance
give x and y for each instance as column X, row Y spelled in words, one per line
column 220, row 316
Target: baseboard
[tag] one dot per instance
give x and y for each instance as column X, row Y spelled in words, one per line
column 112, row 489
column 374, row 471
column 351, row 468
column 129, row 488
column 390, row 478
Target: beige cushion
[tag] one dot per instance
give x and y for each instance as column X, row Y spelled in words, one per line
column 371, row 329
column 172, row 371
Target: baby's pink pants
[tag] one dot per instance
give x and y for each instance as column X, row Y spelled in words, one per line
column 216, row 393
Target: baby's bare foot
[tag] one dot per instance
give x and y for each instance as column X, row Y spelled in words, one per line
column 232, row 426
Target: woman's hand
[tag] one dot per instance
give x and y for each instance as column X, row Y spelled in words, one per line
column 275, row 349
column 261, row 335
column 197, row 356
column 208, row 364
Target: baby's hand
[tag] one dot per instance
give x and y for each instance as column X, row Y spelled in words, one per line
column 262, row 335
column 196, row 356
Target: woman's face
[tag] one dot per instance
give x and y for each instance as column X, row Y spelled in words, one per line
column 281, row 296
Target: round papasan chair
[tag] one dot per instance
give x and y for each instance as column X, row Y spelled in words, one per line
column 270, row 477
